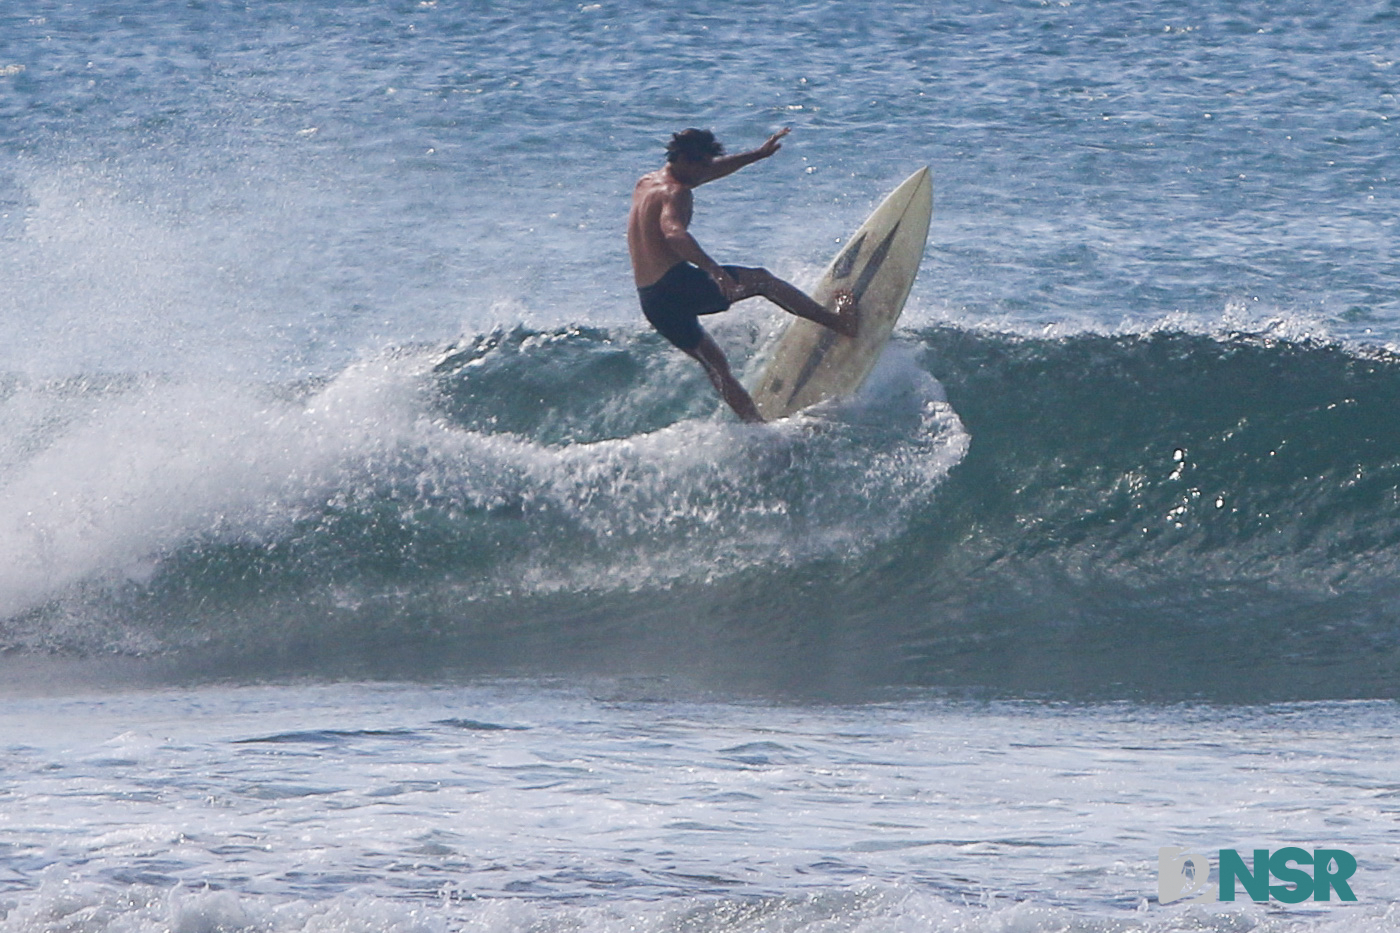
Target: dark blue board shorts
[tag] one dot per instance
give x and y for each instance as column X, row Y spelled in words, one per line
column 674, row 302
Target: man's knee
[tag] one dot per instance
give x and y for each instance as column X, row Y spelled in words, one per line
column 753, row 280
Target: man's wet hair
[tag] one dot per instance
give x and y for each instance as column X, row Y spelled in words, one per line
column 693, row 145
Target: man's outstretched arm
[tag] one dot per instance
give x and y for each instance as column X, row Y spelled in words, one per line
column 728, row 165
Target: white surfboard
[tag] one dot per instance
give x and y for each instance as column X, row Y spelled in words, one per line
column 878, row 263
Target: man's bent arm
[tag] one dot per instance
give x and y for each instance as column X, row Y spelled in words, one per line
column 681, row 242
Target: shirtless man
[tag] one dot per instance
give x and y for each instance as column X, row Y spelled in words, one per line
column 677, row 280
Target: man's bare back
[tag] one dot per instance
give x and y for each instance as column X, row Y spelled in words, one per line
column 676, row 279
column 656, row 192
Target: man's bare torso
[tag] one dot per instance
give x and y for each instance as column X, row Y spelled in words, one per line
column 656, row 192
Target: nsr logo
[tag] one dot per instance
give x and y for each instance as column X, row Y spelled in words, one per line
column 1182, row 875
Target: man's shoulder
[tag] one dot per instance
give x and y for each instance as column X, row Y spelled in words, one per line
column 659, row 185
column 663, row 178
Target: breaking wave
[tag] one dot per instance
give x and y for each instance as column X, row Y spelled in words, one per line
column 1159, row 515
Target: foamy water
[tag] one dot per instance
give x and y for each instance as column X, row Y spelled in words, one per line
column 525, row 805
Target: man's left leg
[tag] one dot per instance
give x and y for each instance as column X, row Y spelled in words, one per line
column 717, row 368
column 795, row 301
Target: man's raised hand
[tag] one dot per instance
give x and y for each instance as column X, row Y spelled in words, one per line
column 772, row 144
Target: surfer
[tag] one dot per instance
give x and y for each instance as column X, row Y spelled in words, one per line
column 677, row 281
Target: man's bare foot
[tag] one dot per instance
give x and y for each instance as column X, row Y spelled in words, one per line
column 847, row 309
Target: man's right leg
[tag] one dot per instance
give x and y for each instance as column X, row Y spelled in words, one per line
column 717, row 368
column 793, row 300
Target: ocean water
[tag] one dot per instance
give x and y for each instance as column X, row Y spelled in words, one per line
column 366, row 563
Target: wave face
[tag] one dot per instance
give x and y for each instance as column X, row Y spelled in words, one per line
column 1176, row 514
column 1157, row 515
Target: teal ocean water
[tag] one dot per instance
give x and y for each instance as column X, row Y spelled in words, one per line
column 366, row 562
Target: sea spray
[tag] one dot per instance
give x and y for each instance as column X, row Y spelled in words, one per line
column 186, row 515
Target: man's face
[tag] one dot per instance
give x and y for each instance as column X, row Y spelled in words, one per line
column 686, row 168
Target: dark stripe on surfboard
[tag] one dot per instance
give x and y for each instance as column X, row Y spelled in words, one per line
column 846, row 262
column 867, row 275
